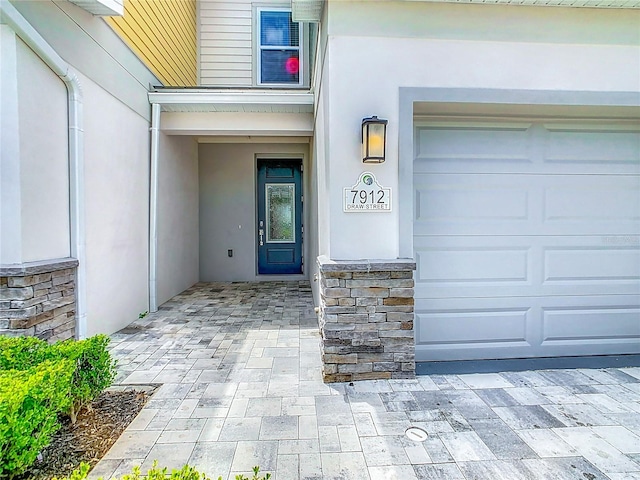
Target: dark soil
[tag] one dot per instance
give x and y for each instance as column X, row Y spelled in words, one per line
column 96, row 429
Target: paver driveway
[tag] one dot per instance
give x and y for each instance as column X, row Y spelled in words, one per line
column 239, row 365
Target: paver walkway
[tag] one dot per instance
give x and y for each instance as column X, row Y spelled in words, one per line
column 240, row 366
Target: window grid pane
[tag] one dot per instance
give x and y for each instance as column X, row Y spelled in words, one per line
column 279, row 55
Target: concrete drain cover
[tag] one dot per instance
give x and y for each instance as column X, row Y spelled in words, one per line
column 416, row 434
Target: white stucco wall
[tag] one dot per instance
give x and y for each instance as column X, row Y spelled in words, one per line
column 44, row 158
column 117, row 210
column 116, row 115
column 227, row 187
column 177, row 221
column 411, row 44
column 10, row 215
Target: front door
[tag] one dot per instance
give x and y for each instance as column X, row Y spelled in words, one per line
column 279, row 217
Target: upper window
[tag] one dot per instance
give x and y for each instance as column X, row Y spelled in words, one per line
column 279, row 53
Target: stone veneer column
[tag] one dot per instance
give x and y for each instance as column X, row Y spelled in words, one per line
column 366, row 319
column 39, row 299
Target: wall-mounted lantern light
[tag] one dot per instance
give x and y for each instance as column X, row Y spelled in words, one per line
column 374, row 132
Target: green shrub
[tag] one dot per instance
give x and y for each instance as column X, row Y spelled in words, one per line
column 29, row 404
column 94, row 368
column 155, row 473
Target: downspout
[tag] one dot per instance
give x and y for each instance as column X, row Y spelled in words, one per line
column 13, row 18
column 153, row 208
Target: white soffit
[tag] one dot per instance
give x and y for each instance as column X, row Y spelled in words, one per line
column 552, row 3
column 230, row 101
column 110, row 8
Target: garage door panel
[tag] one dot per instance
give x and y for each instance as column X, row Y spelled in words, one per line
column 484, row 144
column 505, row 266
column 525, row 147
column 577, row 146
column 466, row 204
column 591, row 204
column 600, row 265
column 571, row 326
column 475, row 328
column 526, row 239
column 495, row 328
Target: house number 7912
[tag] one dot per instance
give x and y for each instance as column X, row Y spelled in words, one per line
column 363, row 196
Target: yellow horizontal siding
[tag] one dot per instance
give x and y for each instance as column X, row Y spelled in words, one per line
column 163, row 34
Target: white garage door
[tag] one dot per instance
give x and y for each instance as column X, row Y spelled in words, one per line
column 526, row 239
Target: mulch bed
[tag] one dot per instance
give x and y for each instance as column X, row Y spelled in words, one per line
column 95, row 431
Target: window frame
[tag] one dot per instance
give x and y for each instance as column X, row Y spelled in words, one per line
column 258, row 48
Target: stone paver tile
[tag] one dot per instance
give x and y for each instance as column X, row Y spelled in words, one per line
column 579, row 415
column 142, row 420
column 105, row 469
column 393, row 472
column 527, row 379
column 259, row 362
column 170, row 455
column 169, row 376
column 133, row 444
column 279, row 428
column 426, row 383
column 283, row 389
column 211, row 430
column 238, row 407
column 291, row 447
column 466, row 446
column 299, row 406
column 126, row 466
column 310, row 466
column 496, row 397
column 365, row 402
column 329, row 439
column 567, row 377
column 179, row 436
column 527, row 396
column 624, row 476
column 307, row 427
column 621, row 438
column 416, row 453
column 263, row 407
column 604, row 403
column 371, row 386
column 501, row 440
column 172, row 390
column 349, row 441
column 527, row 417
column 214, row 458
column 186, row 408
column 344, row 466
column 408, row 385
column 558, row 394
column 235, row 429
column 436, row 450
column 469, row 405
column 249, row 454
column 438, row 471
column 364, row 425
column 288, row 466
column 567, row 468
column 140, row 377
column 596, row 450
column 494, row 470
column 546, row 443
column 485, row 380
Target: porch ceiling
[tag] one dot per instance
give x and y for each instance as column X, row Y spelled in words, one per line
column 233, row 101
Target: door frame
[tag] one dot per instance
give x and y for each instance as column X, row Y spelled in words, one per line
column 303, row 165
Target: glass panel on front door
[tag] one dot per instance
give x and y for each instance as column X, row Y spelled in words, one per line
column 281, row 212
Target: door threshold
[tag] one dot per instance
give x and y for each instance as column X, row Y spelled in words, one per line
column 521, row 364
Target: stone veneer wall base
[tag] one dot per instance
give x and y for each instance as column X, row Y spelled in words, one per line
column 366, row 319
column 39, row 299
